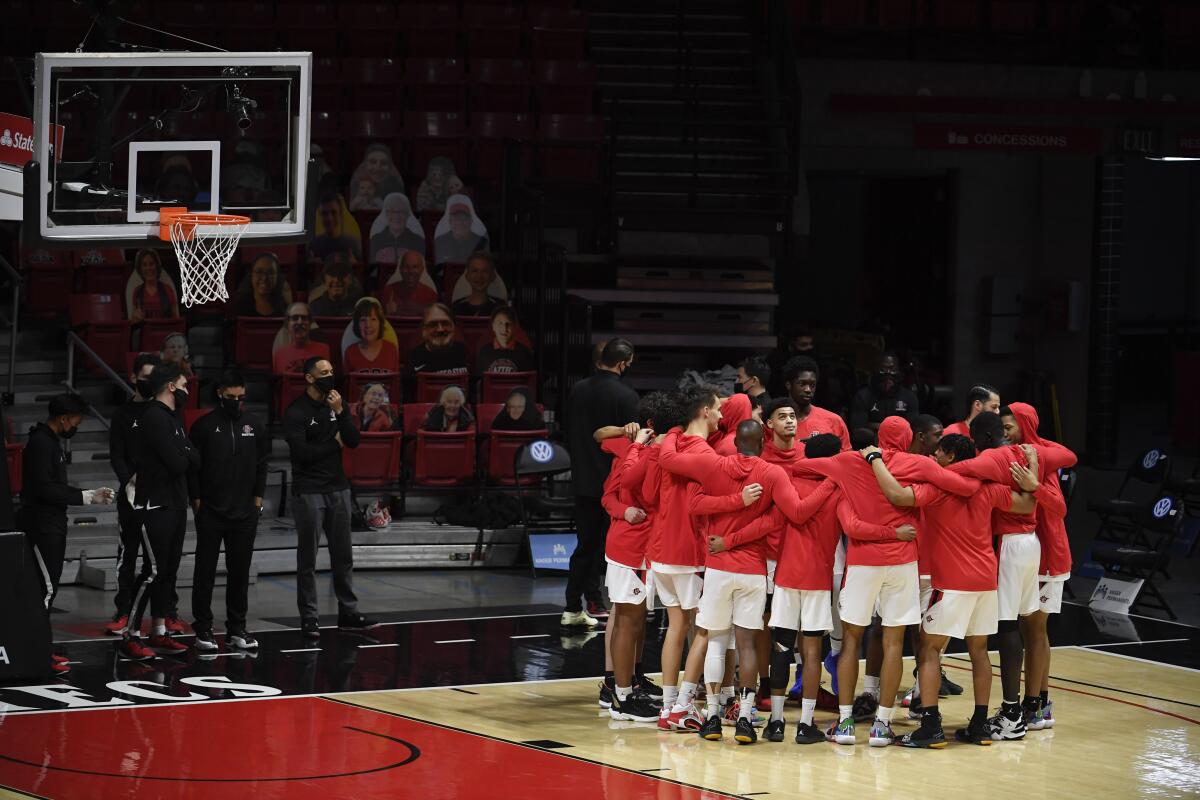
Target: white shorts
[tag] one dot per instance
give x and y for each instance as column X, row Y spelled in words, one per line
column 1050, row 597
column 894, row 588
column 801, row 609
column 628, row 585
column 771, row 565
column 839, row 556
column 679, row 589
column 926, row 592
column 732, row 598
column 959, row 614
column 1017, row 589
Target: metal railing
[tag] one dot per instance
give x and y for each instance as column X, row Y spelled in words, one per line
column 17, row 280
column 74, row 342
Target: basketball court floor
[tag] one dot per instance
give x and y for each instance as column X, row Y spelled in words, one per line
column 503, row 705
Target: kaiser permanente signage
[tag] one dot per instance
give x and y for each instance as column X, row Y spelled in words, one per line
column 16, row 140
column 1009, row 138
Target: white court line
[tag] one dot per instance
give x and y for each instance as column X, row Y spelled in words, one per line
column 531, row 636
column 1142, row 660
column 452, row 641
column 1126, row 644
column 1077, row 604
column 301, row 650
column 367, row 646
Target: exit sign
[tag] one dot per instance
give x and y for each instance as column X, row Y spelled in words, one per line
column 1137, row 140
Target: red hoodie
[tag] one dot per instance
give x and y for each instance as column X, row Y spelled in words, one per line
column 724, row 476
column 961, row 428
column 677, row 538
column 734, row 410
column 785, row 459
column 625, row 543
column 1052, row 506
column 818, row 421
column 866, row 500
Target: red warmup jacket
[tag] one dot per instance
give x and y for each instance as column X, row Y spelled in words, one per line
column 734, row 411
column 678, row 538
column 625, row 543
column 993, row 465
column 960, row 428
column 866, row 500
column 642, row 463
column 786, row 459
column 1051, row 506
column 820, row 420
column 724, row 476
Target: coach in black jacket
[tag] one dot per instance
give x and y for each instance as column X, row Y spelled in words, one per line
column 161, row 493
column 123, row 439
column 317, row 426
column 227, row 497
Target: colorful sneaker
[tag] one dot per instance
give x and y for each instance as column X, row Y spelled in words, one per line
column 686, row 721
column 807, row 733
column 881, row 734
column 1033, row 720
column 911, row 698
column 133, row 649
column 774, row 731
column 634, row 708
column 974, row 734
column 743, row 732
column 1005, row 728
column 865, row 706
column 165, row 645
column 930, row 736
column 826, row 700
column 949, row 687
column 711, row 729
column 798, row 687
column 606, row 695
column 1048, row 715
column 762, row 702
column 831, row 665
column 175, row 625
column 117, row 626
column 729, row 715
column 842, row 732
column 664, row 720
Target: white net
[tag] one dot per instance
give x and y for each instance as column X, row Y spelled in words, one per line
column 204, row 251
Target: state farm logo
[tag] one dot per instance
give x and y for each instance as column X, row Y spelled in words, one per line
column 17, row 140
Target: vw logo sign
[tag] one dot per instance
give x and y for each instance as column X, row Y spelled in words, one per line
column 541, row 451
column 1150, row 459
column 1162, row 508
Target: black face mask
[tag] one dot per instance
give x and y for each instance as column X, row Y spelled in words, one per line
column 144, row 389
column 181, row 398
column 326, row 384
column 232, row 406
column 69, row 433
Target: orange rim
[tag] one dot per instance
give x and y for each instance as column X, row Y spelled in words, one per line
column 169, row 216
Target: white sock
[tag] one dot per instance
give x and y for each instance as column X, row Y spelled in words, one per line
column 871, row 685
column 727, row 694
column 623, row 693
column 835, row 646
column 845, row 711
column 884, row 714
column 160, row 627
column 807, row 707
column 670, row 693
column 747, row 704
column 714, row 705
column 777, row 701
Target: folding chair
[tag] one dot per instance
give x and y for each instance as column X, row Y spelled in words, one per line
column 1157, row 524
column 1117, row 514
column 500, row 450
column 542, row 459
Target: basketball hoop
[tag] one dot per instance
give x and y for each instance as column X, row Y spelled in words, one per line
column 204, row 245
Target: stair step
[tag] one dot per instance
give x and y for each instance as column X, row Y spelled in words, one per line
column 663, row 22
column 658, row 73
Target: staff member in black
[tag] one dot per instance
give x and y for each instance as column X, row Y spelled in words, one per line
column 317, row 426
column 227, row 498
column 122, row 453
column 45, row 494
column 594, row 403
column 160, row 492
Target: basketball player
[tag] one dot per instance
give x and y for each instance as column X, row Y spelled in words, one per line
column 800, row 376
column 963, row 570
column 980, row 397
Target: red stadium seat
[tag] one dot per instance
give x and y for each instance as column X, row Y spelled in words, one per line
column 103, row 326
column 474, row 331
column 486, row 415
column 190, row 415
column 414, row 416
column 429, row 134
column 900, row 13
column 444, row 459
column 368, row 15
column 499, row 84
column 48, row 288
column 570, row 147
column 959, row 15
column 1014, row 16
column 565, row 87
column 568, row 44
column 253, row 340
column 408, row 332
column 155, row 332
column 363, row 127
column 495, row 386
column 431, row 384
column 491, row 131
column 12, row 451
column 355, row 381
column 376, row 460
column 374, row 83
column 105, row 278
column 288, row 387
column 451, row 272
column 435, row 84
column 500, row 451
column 503, row 42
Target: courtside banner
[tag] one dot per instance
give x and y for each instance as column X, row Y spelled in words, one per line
column 1113, row 595
column 1011, row 138
column 16, row 140
column 552, row 549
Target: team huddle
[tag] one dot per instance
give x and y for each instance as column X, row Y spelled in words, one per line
column 762, row 530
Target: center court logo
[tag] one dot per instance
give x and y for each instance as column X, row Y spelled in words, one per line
column 541, row 451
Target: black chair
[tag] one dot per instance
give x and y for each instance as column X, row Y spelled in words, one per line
column 1118, row 515
column 544, row 459
column 1158, row 523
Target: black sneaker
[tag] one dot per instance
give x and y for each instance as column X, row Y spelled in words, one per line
column 807, row 733
column 711, row 729
column 205, row 641
column 634, row 708
column 355, row 621
column 1007, row 725
column 930, row 735
column 949, row 687
column 311, row 629
column 649, row 698
column 606, row 695
column 241, row 639
column 743, row 732
column 646, row 686
column 974, row 733
column 774, row 731
column 865, row 706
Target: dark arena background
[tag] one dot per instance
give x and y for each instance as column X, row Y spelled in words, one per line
column 342, row 347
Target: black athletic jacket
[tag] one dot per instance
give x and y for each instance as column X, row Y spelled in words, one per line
column 309, row 427
column 233, row 464
column 163, row 459
column 45, row 493
column 603, row 399
column 123, row 440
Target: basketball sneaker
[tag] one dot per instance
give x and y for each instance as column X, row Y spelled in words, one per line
column 165, row 645
column 807, row 733
column 311, row 629
column 831, row 665
column 117, row 626
column 577, row 619
column 881, row 734
column 635, row 708
column 949, row 687
column 205, row 639
column 643, row 684
column 241, row 639
column 841, row 732
column 729, row 715
column 711, row 729
column 175, row 625
column 1006, row 725
column 597, row 609
column 826, row 700
column 974, row 733
column 59, row 668
column 929, row 735
column 743, row 732
column 664, row 720
column 912, row 698
column 684, row 721
column 133, row 649
column 865, row 706
column 1048, row 714
column 606, row 695
column 797, row 687
column 915, row 712
column 57, row 659
column 354, row 621
column 774, row 731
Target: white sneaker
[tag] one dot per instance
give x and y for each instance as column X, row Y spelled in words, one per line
column 1006, row 729
column 242, row 640
column 574, row 619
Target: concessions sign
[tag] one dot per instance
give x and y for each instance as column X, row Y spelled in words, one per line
column 1010, row 138
column 16, row 140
